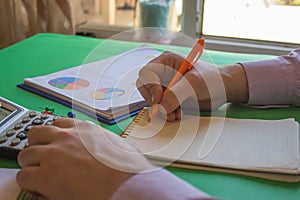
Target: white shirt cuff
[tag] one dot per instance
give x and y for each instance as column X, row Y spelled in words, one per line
column 159, row 184
column 269, row 81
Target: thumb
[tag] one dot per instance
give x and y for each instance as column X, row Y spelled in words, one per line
column 176, row 95
column 156, row 91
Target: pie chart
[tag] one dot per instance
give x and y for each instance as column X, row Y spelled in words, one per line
column 106, row 93
column 68, row 83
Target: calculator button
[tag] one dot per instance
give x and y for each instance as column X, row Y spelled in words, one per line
column 27, row 128
column 37, row 121
column 26, row 145
column 25, row 120
column 50, row 122
column 18, row 126
column 32, row 114
column 3, row 139
column 44, row 116
column 22, row 135
column 10, row 132
column 15, row 141
column 56, row 118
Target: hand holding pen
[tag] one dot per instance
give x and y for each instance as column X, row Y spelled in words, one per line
column 187, row 65
column 203, row 84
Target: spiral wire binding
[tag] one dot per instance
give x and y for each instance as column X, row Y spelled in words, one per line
column 26, row 195
column 137, row 119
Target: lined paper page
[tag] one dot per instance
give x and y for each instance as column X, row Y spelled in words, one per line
column 259, row 145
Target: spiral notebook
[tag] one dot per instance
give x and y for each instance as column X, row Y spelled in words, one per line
column 10, row 190
column 267, row 149
column 103, row 89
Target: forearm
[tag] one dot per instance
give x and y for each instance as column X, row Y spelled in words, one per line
column 274, row 81
column 235, row 82
column 264, row 82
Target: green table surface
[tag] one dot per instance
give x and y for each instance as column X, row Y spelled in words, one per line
column 47, row 53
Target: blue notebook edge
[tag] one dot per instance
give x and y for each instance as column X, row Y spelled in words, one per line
column 70, row 105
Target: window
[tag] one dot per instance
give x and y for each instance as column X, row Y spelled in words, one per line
column 254, row 26
column 108, row 17
column 254, row 21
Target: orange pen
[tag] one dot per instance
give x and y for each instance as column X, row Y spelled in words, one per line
column 187, row 65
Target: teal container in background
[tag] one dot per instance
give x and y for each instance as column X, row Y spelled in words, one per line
column 151, row 13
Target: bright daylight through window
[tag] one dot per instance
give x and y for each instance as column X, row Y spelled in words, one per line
column 269, row 20
column 271, row 23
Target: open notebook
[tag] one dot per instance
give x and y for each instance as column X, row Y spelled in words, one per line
column 104, row 89
column 262, row 148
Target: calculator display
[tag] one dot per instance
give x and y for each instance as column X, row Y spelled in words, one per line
column 4, row 112
column 15, row 123
column 8, row 111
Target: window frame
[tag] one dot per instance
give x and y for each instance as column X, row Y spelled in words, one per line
column 192, row 24
column 235, row 44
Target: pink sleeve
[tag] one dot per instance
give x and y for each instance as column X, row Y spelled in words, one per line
column 275, row 81
column 159, row 184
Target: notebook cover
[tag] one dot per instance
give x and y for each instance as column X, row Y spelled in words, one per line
column 70, row 105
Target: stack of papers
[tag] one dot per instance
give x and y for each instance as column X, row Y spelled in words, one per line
column 262, row 148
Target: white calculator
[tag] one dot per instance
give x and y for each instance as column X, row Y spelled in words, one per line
column 15, row 122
